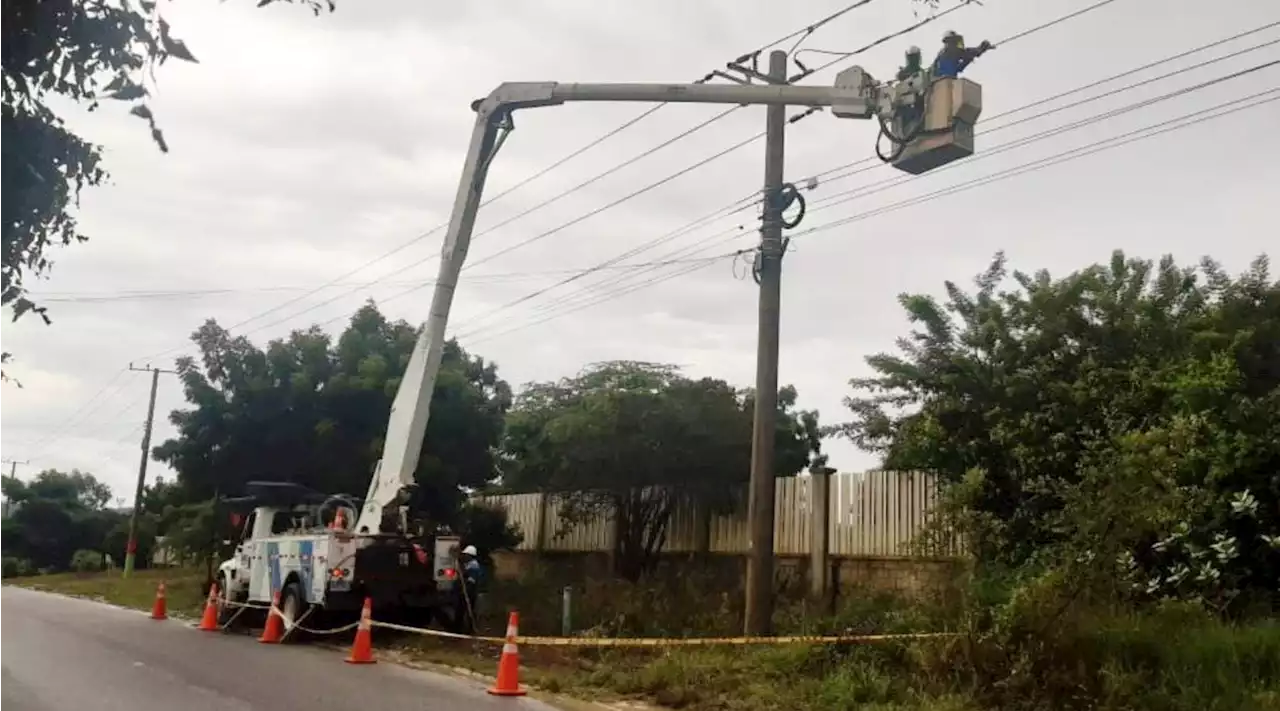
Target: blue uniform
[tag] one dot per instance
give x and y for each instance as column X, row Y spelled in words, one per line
column 951, row 61
column 473, row 572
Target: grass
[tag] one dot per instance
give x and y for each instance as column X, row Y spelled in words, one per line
column 184, row 589
column 1167, row 659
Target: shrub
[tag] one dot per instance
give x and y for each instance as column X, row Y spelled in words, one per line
column 86, row 561
column 17, row 567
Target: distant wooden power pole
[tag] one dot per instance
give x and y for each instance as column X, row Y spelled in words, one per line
column 131, row 550
column 13, row 477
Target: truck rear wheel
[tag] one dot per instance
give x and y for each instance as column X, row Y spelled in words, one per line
column 292, row 607
column 225, row 611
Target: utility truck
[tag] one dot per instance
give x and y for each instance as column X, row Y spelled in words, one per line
column 328, row 553
column 302, row 545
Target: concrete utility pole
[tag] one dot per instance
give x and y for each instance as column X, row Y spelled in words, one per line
column 759, row 617
column 131, row 551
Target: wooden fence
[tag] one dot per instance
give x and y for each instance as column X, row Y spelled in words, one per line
column 872, row 514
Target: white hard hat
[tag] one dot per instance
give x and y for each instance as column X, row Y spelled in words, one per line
column 470, row 550
column 913, row 50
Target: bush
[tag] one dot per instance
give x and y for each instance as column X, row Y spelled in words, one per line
column 86, row 561
column 17, row 567
column 486, row 528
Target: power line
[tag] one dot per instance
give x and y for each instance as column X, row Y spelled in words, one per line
column 149, row 294
column 985, row 153
column 744, row 143
column 1040, row 102
column 808, row 72
column 44, row 444
column 1024, row 33
column 1149, row 131
column 631, row 122
column 83, row 409
column 1052, row 23
column 645, row 114
column 1160, row 128
column 615, row 295
column 871, row 188
column 647, row 188
column 841, row 56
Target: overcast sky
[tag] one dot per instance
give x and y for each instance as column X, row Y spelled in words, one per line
column 303, row 147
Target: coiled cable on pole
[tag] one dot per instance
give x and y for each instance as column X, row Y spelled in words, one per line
column 786, row 196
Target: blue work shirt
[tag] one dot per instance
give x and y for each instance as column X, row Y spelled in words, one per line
column 473, row 572
column 949, row 66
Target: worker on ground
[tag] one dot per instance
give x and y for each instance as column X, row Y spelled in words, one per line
column 954, row 57
column 472, row 578
column 913, row 66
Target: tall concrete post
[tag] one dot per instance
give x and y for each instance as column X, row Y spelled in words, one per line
column 759, row 604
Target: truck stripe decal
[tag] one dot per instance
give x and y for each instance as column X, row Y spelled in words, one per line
column 273, row 565
column 306, row 566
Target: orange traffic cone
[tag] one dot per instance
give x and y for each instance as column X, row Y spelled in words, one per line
column 508, row 682
column 362, row 648
column 159, row 609
column 274, row 631
column 209, row 620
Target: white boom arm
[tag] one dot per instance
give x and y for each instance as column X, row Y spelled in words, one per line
column 854, row 95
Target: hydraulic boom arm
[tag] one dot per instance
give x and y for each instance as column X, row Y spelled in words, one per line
column 855, row 94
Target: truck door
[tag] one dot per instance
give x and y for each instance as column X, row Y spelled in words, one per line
column 259, row 563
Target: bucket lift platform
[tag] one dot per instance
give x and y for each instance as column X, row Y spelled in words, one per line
column 951, row 109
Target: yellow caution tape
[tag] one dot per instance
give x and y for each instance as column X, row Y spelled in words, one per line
column 672, row 641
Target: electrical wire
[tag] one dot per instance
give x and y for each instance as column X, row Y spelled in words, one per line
column 841, row 56
column 879, row 186
column 631, row 122
column 541, row 235
column 646, row 113
column 92, row 405
column 1156, row 129
column 899, row 179
column 804, row 34
column 1149, row 131
column 592, row 213
column 1054, row 22
column 164, row 294
column 828, row 173
column 998, row 149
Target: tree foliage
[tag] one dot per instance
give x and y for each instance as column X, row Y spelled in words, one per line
column 1128, row 414
column 313, row 411
column 81, row 51
column 53, row 516
column 634, row 440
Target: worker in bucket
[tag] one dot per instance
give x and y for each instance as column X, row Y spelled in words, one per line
column 954, row 57
column 913, row 66
column 472, row 578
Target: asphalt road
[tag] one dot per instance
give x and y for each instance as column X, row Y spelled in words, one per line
column 62, row 654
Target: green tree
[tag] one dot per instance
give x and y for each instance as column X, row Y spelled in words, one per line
column 314, row 412
column 636, row 440
column 54, row 515
column 1131, row 408
column 82, row 51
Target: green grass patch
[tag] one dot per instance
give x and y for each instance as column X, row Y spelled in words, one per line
column 184, row 588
